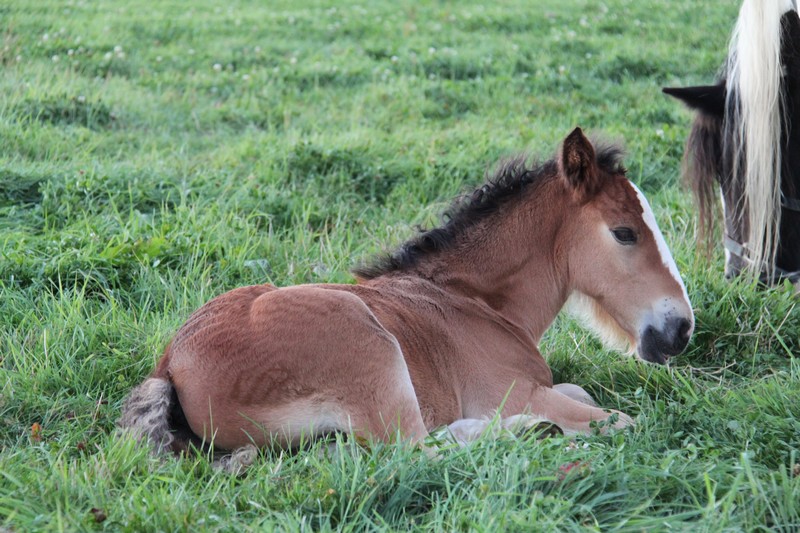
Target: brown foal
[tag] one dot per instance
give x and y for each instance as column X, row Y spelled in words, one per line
column 443, row 332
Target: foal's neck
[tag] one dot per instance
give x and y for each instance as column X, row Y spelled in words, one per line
column 510, row 261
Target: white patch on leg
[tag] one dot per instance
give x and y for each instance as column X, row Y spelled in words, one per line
column 724, row 215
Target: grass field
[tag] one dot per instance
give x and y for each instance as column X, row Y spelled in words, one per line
column 158, row 153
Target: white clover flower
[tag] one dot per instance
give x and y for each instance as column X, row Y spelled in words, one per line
column 117, row 49
column 245, row 77
column 159, row 59
column 395, row 59
column 55, row 58
column 108, row 55
column 431, row 50
column 217, row 67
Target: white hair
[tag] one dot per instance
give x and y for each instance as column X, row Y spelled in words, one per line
column 754, row 109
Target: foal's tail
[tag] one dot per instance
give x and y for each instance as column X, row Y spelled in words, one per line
column 151, row 413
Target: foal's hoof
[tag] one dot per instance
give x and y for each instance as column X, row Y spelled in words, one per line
column 237, row 462
column 526, row 425
column 622, row 421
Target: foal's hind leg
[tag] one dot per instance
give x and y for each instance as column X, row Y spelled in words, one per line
column 384, row 403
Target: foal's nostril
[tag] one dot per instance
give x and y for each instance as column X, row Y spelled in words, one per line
column 683, row 334
column 684, row 328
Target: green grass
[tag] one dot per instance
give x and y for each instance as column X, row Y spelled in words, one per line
column 156, row 154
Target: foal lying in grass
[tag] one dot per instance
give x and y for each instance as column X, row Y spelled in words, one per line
column 443, row 332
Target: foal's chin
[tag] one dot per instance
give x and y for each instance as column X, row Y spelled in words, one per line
column 652, row 356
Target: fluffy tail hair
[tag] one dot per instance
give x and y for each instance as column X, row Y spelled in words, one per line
column 151, row 413
column 753, row 116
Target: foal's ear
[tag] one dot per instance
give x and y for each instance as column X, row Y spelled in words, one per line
column 708, row 99
column 578, row 164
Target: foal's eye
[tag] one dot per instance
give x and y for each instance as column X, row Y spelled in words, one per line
column 624, row 236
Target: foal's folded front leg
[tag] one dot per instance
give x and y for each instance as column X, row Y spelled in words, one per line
column 467, row 430
column 572, row 415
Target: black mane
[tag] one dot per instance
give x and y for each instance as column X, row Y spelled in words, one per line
column 511, row 176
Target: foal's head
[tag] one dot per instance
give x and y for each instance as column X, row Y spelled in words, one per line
column 621, row 273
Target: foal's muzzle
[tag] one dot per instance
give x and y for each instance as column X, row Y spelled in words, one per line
column 657, row 346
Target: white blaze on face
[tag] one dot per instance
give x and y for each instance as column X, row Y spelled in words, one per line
column 663, row 249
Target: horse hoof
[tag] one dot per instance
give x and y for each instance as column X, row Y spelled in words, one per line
column 525, row 426
column 237, row 462
column 623, row 421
